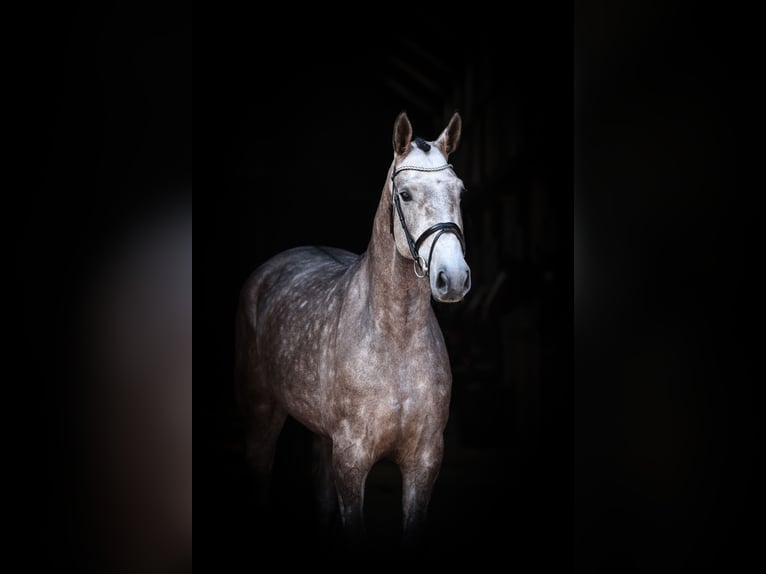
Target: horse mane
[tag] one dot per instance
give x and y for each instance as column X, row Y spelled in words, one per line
column 422, row 144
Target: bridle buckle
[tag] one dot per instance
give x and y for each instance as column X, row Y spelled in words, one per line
column 420, row 263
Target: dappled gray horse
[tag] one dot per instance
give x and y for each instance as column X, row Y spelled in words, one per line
column 349, row 346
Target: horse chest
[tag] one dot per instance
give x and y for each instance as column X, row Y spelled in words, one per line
column 385, row 399
column 403, row 370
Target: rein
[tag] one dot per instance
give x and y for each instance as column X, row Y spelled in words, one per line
column 419, row 263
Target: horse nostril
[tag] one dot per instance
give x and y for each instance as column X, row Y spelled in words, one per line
column 467, row 282
column 441, row 281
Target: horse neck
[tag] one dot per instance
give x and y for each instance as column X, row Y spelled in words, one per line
column 400, row 301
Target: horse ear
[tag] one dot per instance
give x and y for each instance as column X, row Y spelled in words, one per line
column 402, row 134
column 450, row 137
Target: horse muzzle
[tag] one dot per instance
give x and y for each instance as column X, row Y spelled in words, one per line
column 449, row 284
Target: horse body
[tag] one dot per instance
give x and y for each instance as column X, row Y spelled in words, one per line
column 349, row 346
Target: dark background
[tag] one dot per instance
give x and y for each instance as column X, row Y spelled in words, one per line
column 100, row 136
column 668, row 288
column 304, row 143
column 98, row 145
column 666, row 396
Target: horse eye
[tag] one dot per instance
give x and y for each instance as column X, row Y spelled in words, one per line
column 405, row 195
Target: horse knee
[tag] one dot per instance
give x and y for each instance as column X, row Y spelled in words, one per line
column 417, row 485
column 349, row 482
column 349, row 471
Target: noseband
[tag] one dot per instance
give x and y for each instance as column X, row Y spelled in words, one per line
column 420, row 264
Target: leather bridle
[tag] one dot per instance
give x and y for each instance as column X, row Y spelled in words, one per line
column 440, row 228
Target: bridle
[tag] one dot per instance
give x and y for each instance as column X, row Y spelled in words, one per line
column 420, row 264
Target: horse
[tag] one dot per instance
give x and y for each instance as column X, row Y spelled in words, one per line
column 349, row 345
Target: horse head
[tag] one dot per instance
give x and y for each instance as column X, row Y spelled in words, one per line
column 425, row 196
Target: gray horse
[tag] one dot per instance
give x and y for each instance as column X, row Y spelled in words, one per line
column 349, row 345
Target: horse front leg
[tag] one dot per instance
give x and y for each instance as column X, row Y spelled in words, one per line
column 350, row 466
column 419, row 473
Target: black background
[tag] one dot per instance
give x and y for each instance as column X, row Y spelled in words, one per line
column 100, row 142
column 648, row 458
column 668, row 290
column 304, row 141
